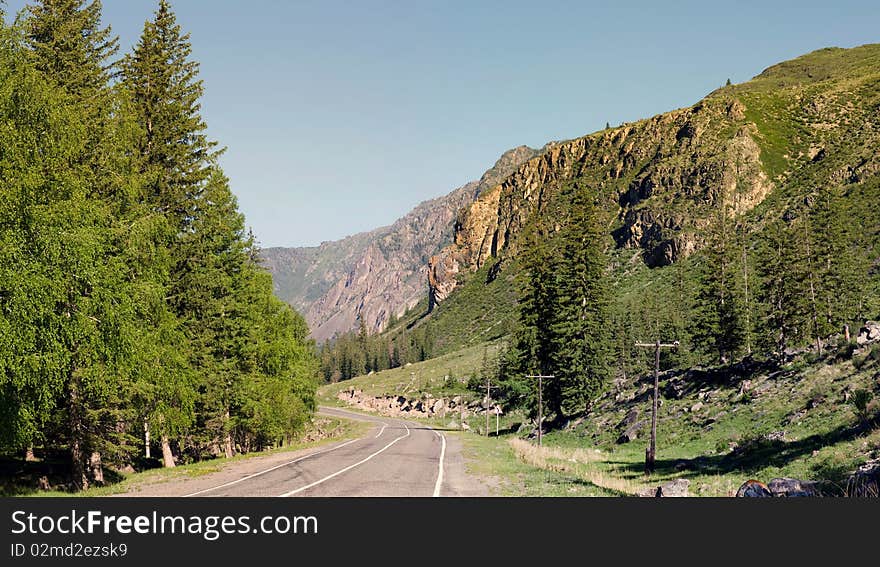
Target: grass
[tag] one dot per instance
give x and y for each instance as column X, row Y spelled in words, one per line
column 792, row 425
column 497, row 462
column 340, row 429
column 793, row 422
column 446, row 375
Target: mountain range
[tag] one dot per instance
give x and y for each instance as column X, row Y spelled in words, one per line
column 752, row 151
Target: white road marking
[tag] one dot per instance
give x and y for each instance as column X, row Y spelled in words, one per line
column 440, row 471
column 271, row 469
column 346, row 469
column 384, row 425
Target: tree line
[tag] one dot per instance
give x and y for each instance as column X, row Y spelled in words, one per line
column 358, row 352
column 793, row 278
column 799, row 274
column 134, row 313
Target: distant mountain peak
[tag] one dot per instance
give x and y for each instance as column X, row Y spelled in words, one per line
column 381, row 273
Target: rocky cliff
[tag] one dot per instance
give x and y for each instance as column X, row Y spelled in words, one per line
column 667, row 177
column 377, row 274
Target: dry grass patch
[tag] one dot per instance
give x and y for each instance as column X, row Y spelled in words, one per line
column 581, row 463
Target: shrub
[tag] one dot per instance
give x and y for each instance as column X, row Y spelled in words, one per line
column 875, row 353
column 450, row 382
column 817, row 395
column 476, row 383
column 845, row 351
column 812, row 357
column 861, row 401
column 859, row 361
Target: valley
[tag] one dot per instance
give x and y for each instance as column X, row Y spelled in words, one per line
column 743, row 227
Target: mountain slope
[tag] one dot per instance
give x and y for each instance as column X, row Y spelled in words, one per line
column 755, row 149
column 378, row 274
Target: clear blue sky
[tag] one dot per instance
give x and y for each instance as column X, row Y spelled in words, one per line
column 339, row 117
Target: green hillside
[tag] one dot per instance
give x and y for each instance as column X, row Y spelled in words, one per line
column 746, row 228
column 798, row 141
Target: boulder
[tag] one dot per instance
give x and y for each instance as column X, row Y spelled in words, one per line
column 631, row 417
column 439, row 407
column 775, row 436
column 677, row 488
column 792, row 488
column 674, row 389
column 697, row 406
column 631, row 433
column 869, row 333
column 753, row 489
column 865, row 482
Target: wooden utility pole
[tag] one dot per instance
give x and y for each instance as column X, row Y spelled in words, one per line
column 651, row 451
column 488, row 403
column 540, row 407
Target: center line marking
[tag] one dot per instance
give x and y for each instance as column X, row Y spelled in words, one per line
column 348, row 468
column 250, row 476
column 384, row 425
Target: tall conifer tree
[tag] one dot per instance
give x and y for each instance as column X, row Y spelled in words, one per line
column 581, row 337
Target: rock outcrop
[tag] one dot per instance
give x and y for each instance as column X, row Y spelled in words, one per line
column 402, row 406
column 379, row 274
column 663, row 178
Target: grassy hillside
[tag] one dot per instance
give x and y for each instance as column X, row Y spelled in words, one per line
column 446, row 375
column 780, row 178
column 763, row 149
column 717, row 427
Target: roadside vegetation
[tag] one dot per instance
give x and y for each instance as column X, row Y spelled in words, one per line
column 765, row 276
column 25, row 479
column 811, row 418
column 137, row 327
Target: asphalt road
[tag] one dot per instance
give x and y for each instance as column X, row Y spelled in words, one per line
column 397, row 458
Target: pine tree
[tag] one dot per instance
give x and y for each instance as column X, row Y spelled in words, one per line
column 205, row 294
column 580, row 335
column 836, row 262
column 163, row 83
column 71, row 47
column 564, row 313
column 531, row 350
column 719, row 329
column 173, row 163
column 783, row 293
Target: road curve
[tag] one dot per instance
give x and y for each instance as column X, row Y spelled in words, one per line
column 397, row 458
